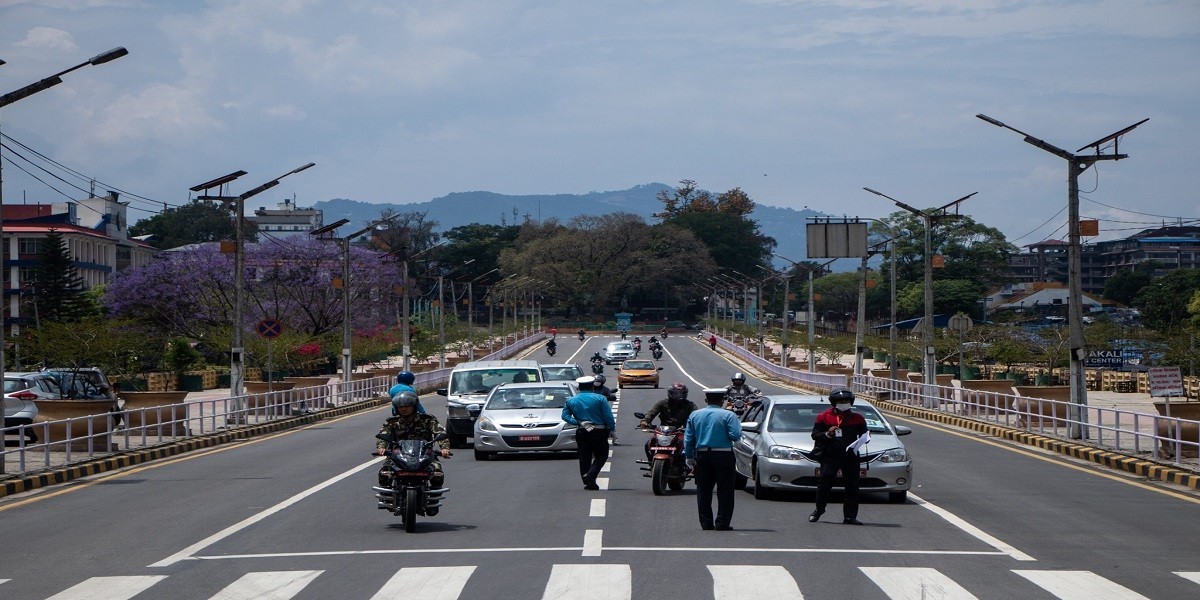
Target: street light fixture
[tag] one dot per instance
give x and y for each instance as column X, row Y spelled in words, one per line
column 442, row 315
column 5, row 100
column 406, row 350
column 471, row 313
column 1077, row 164
column 929, row 353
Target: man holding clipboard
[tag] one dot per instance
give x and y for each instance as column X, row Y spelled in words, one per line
column 838, row 434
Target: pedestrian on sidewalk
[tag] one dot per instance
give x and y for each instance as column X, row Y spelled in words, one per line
column 708, row 447
column 593, row 416
column 834, row 432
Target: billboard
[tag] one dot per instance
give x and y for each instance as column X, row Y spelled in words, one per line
column 837, row 240
column 1104, row 359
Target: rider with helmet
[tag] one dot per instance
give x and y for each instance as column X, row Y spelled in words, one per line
column 833, row 432
column 598, row 387
column 672, row 411
column 404, row 383
column 408, row 424
column 740, row 389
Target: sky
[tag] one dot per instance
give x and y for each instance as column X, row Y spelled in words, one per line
column 800, row 103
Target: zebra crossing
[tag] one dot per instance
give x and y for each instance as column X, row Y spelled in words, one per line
column 615, row 582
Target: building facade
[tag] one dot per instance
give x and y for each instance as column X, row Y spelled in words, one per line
column 286, row 219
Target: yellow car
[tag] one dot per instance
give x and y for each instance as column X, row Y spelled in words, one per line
column 637, row 372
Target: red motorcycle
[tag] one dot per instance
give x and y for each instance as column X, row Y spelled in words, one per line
column 665, row 461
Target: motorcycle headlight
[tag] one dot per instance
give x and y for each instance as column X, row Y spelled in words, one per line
column 894, row 455
column 664, row 440
column 485, row 424
column 784, row 453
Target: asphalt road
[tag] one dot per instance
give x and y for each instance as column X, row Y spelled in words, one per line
column 292, row 516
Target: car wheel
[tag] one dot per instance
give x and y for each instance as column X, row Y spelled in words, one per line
column 761, row 492
column 656, row 386
column 482, row 455
column 739, row 481
column 898, row 497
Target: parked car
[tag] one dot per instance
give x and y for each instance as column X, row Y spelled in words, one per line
column 638, row 372
column 775, row 451
column 20, row 392
column 561, row 372
column 82, row 382
column 617, row 352
column 525, row 417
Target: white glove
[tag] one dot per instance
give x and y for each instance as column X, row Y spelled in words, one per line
column 691, row 463
column 612, row 438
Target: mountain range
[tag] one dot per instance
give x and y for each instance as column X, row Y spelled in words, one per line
column 786, row 225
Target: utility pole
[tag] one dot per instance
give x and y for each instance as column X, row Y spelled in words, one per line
column 1077, row 164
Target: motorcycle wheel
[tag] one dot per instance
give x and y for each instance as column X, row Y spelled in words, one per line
column 410, row 509
column 658, row 478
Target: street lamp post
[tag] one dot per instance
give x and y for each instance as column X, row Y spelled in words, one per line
column 471, row 313
column 1077, row 164
column 929, row 352
column 442, row 315
column 5, row 100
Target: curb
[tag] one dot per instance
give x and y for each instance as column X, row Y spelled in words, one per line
column 131, row 458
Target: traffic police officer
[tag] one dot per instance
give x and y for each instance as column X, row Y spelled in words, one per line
column 593, row 416
column 708, row 445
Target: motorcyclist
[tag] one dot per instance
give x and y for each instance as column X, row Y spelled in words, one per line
column 739, row 388
column 404, row 382
column 582, row 333
column 408, row 424
column 664, row 332
column 637, row 346
column 551, row 346
column 599, row 388
column 597, row 358
column 553, row 332
column 712, row 342
column 674, row 410
column 597, row 363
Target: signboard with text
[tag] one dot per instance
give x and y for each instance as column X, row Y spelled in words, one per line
column 1165, row 381
column 1104, row 359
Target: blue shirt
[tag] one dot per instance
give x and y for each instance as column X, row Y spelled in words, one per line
column 588, row 406
column 400, row 387
column 710, row 427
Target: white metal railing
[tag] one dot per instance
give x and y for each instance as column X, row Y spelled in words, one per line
column 1137, row 433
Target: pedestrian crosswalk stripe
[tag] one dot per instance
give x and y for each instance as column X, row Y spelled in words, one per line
column 1079, row 585
column 1191, row 575
column 427, row 583
column 593, row 542
column 109, row 588
column 602, row 482
column 268, row 585
column 589, row 582
column 597, row 509
column 760, row 582
column 915, row 583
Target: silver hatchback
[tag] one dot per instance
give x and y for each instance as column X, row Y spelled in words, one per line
column 775, row 453
column 20, row 392
column 525, row 417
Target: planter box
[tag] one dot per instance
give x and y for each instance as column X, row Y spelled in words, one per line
column 80, row 413
column 1166, row 429
column 1042, row 413
column 136, row 419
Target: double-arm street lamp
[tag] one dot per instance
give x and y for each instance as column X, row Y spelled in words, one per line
column 442, row 314
column 471, row 312
column 928, row 217
column 237, row 360
column 1076, row 165
column 5, row 100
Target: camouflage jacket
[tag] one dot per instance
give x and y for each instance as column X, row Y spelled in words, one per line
column 419, row 427
column 669, row 413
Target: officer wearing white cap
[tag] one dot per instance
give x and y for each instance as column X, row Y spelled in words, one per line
column 708, row 445
column 593, row 416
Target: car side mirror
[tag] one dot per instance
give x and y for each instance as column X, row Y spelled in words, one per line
column 660, row 368
column 443, row 392
column 902, row 430
column 750, row 427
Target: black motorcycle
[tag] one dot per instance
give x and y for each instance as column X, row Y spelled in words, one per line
column 411, row 463
column 656, row 352
column 597, row 366
column 551, row 349
column 581, row 334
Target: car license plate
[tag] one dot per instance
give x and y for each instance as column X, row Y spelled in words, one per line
column 530, row 438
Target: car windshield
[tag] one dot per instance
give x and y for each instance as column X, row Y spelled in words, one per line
column 619, row 346
column 482, row 381
column 631, row 365
column 793, row 418
column 568, row 373
column 527, row 398
column 874, row 420
column 77, row 384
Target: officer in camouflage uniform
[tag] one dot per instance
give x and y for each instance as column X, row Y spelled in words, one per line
column 408, row 424
column 674, row 410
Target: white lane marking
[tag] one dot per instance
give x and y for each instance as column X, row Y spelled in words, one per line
column 915, row 583
column 431, row 583
column 393, row 551
column 1079, row 585
column 681, row 369
column 602, row 482
column 5, row 580
column 109, row 588
column 731, row 582
column 186, row 553
column 597, row 509
column 606, row 468
column 1189, row 575
column 589, row 582
column 983, row 536
column 653, row 549
column 267, row 585
column 593, row 541
column 660, row 549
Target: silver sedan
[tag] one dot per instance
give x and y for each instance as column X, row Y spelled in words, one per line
column 525, row 417
column 775, row 451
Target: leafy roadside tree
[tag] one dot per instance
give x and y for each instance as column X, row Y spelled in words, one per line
column 477, row 241
column 1123, row 287
column 58, row 292
column 1161, row 302
column 193, row 223
column 119, row 346
column 733, row 239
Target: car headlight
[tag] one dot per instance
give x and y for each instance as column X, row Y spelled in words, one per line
column 784, row 453
column 485, row 424
column 894, row 455
column 665, row 440
column 457, row 410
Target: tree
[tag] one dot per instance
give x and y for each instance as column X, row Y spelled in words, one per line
column 1124, row 286
column 194, row 223
column 58, row 290
column 1161, row 302
column 405, row 234
column 722, row 223
column 972, row 251
column 478, row 241
column 179, row 358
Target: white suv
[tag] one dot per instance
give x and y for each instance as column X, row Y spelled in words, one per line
column 617, row 352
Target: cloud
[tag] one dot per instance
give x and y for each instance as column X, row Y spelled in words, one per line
column 48, row 38
column 159, row 112
column 286, row 112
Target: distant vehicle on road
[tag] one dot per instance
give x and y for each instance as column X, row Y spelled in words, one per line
column 561, row 372
column 617, row 352
column 637, row 372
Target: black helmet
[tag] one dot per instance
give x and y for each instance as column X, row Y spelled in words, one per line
column 738, row 378
column 677, row 392
column 841, row 395
column 405, row 398
column 405, row 377
column 598, row 380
